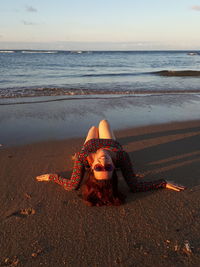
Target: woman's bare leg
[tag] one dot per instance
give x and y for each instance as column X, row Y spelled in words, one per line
column 105, row 131
column 92, row 133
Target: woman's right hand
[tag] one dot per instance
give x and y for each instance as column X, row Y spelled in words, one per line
column 43, row 178
column 174, row 186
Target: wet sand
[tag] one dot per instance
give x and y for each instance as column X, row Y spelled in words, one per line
column 44, row 225
column 56, row 118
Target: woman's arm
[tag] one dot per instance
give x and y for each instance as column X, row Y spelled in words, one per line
column 67, row 184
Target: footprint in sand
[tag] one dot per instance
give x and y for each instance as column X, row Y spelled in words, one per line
column 10, row 261
column 23, row 213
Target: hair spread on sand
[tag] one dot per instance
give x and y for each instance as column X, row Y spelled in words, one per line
column 101, row 192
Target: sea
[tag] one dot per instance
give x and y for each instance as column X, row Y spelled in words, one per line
column 50, row 95
column 33, row 73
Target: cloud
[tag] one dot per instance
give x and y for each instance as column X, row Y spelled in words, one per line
column 28, row 23
column 31, row 9
column 196, row 8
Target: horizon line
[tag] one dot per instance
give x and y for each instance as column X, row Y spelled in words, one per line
column 96, row 50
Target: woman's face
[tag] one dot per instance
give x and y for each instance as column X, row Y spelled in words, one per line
column 105, row 165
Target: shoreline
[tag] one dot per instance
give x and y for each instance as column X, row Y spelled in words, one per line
column 42, row 224
column 35, row 122
column 62, row 94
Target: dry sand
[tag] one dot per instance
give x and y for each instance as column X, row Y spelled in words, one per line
column 44, row 225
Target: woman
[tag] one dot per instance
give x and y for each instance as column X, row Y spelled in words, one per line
column 99, row 158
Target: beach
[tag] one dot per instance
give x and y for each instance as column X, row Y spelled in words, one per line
column 64, row 67
column 44, row 225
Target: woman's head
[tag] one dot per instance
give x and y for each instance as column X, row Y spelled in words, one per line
column 99, row 192
column 102, row 165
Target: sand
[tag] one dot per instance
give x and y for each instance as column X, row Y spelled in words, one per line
column 44, row 225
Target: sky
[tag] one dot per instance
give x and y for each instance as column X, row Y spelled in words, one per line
column 100, row 24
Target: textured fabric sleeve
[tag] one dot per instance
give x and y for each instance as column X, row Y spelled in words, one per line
column 131, row 179
column 76, row 177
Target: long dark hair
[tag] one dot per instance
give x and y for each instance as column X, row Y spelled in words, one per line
column 101, row 192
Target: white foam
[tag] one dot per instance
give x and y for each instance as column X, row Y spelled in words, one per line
column 6, row 51
column 39, row 52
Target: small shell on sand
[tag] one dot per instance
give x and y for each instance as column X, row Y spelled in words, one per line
column 36, row 253
column 187, row 248
column 11, row 262
column 28, row 211
column 26, row 195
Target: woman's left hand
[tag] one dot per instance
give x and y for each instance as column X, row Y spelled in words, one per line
column 43, row 178
column 175, row 187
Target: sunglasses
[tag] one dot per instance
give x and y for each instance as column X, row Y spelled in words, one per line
column 101, row 168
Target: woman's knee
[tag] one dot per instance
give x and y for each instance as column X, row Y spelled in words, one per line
column 93, row 131
column 104, row 122
column 93, row 128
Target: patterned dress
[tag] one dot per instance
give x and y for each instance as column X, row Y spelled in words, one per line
column 123, row 162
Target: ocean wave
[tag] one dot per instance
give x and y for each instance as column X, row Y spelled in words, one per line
column 28, row 52
column 38, row 52
column 166, row 73
column 112, row 74
column 94, row 97
column 7, row 51
column 178, row 73
column 44, row 92
column 193, row 54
